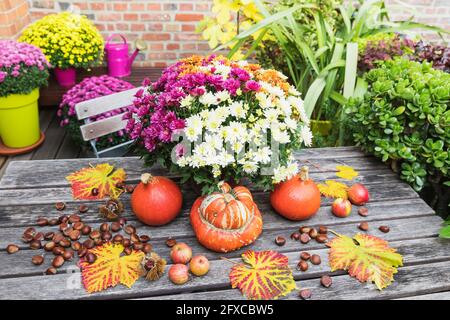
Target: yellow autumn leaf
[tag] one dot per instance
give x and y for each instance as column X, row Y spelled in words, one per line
column 110, row 268
column 365, row 257
column 102, row 177
column 264, row 275
column 346, row 172
column 333, row 189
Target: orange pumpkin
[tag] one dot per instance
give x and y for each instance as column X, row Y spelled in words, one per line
column 227, row 220
column 297, row 198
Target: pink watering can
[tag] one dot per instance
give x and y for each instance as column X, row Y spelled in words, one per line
column 117, row 57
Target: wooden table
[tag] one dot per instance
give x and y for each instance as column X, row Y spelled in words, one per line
column 29, row 189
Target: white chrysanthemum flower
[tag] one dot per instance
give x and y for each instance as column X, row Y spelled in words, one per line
column 236, row 131
column 242, row 63
column 291, row 124
column 237, row 146
column 214, row 140
column 285, row 106
column 237, row 110
column 224, row 158
column 293, row 91
column 297, row 103
column 262, row 155
column 209, row 99
column 264, row 100
column 222, row 69
column 271, row 114
column 222, row 96
column 306, row 135
column 182, row 161
column 283, row 173
column 250, row 167
column 187, row 101
column 193, row 127
column 274, row 91
column 282, row 136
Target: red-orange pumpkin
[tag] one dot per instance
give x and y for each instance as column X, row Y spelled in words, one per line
column 297, row 198
column 156, row 200
column 227, row 220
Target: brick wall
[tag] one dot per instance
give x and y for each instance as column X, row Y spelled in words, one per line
column 14, row 16
column 168, row 26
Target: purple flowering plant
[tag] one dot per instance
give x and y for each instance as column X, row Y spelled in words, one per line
column 91, row 88
column 23, row 68
column 222, row 110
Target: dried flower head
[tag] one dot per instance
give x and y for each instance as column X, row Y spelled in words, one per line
column 112, row 209
column 153, row 266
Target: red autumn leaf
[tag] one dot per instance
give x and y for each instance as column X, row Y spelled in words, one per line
column 102, row 177
column 264, row 275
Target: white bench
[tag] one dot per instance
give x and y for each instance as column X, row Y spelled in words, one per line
column 92, row 130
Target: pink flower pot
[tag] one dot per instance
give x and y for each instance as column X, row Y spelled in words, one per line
column 66, row 77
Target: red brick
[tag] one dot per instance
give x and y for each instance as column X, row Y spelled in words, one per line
column 120, row 6
column 109, row 16
column 156, row 47
column 187, row 37
column 159, row 64
column 186, row 7
column 172, row 46
column 188, row 17
column 122, row 27
column 202, row 7
column 154, row 26
column 156, row 36
column 97, row 6
column 188, row 27
column 153, row 7
column 137, row 27
column 137, row 7
column 154, row 17
column 130, row 16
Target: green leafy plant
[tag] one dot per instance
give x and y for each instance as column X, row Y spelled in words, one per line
column 326, row 75
column 404, row 119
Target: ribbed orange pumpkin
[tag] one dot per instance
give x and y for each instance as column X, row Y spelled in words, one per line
column 297, row 198
column 227, row 220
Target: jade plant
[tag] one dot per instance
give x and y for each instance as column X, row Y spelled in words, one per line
column 404, row 119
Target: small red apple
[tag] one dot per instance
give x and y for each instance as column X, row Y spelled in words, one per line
column 181, row 253
column 199, row 266
column 179, row 274
column 358, row 194
column 341, row 208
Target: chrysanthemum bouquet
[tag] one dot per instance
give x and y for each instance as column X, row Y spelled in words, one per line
column 23, row 68
column 234, row 119
column 91, row 88
column 68, row 40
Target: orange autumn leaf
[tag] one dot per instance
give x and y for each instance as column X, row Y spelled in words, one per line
column 102, row 177
column 333, row 189
column 111, row 268
column 365, row 257
column 264, row 275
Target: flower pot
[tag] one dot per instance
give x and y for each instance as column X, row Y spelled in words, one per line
column 321, row 127
column 19, row 119
column 66, row 77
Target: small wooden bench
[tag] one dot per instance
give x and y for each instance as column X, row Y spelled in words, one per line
column 29, row 190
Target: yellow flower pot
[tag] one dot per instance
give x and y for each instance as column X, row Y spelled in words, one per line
column 19, row 119
column 321, row 127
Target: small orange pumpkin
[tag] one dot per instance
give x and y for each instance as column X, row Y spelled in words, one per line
column 227, row 220
column 297, row 198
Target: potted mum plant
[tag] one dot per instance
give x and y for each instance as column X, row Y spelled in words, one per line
column 91, row 88
column 227, row 113
column 69, row 41
column 23, row 69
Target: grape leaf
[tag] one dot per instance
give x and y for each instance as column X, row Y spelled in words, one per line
column 367, row 258
column 346, row 172
column 333, row 189
column 111, row 268
column 263, row 275
column 101, row 177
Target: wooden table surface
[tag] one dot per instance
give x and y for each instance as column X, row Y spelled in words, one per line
column 29, row 189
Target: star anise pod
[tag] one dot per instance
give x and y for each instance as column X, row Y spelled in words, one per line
column 111, row 210
column 153, row 266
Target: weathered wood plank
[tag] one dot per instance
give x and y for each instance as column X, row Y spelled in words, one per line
column 24, row 174
column 68, row 149
column 53, row 139
column 409, row 281
column 400, row 230
column 26, row 215
column 445, row 295
column 421, row 278
column 10, row 197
